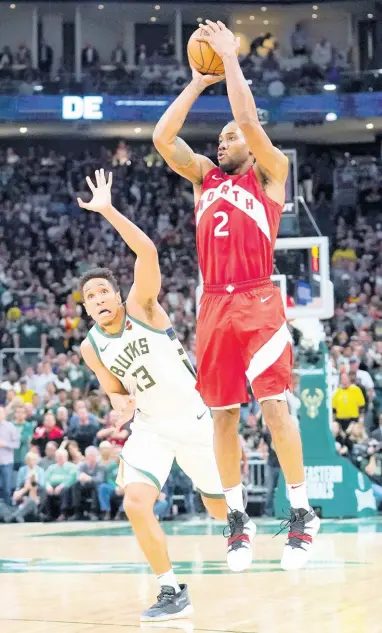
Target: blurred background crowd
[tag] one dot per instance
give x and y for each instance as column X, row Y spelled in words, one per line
column 58, row 446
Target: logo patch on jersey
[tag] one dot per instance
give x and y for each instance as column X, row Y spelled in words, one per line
column 129, row 325
column 171, row 333
column 239, row 198
column 102, row 349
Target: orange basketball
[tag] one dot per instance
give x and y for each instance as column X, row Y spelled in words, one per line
column 202, row 57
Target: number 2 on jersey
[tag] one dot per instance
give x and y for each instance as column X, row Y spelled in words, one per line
column 218, row 231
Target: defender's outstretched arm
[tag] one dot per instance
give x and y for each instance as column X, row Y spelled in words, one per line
column 147, row 275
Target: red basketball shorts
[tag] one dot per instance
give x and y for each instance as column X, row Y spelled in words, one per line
column 242, row 335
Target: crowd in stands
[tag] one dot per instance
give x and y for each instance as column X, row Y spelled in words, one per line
column 305, row 67
column 58, row 444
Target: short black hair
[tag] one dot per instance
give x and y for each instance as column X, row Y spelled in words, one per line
column 99, row 273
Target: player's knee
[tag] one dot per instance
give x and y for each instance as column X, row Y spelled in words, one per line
column 276, row 414
column 226, row 421
column 134, row 505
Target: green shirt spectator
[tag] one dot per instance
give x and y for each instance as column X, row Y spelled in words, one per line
column 57, row 474
column 25, row 430
column 77, row 373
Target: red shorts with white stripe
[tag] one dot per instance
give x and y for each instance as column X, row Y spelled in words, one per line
column 242, row 334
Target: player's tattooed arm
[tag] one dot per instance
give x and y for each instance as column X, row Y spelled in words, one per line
column 177, row 154
column 269, row 158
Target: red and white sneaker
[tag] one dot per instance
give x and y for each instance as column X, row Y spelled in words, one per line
column 240, row 536
column 303, row 526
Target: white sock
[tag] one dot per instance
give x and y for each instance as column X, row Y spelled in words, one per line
column 168, row 579
column 298, row 496
column 234, row 498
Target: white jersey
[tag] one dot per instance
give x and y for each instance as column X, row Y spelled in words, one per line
column 152, row 365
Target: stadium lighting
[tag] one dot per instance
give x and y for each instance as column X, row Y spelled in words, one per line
column 369, row 126
column 153, row 19
column 330, row 87
column 264, row 9
column 251, row 17
column 101, row 6
column 12, row 6
column 315, row 7
column 266, row 22
column 314, row 16
column 331, row 116
column 23, row 130
column 238, row 21
column 137, row 130
column 157, row 7
column 199, row 19
column 370, row 16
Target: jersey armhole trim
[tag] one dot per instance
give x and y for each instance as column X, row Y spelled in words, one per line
column 145, row 325
column 94, row 345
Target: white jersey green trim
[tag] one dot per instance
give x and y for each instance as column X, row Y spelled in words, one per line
column 152, row 365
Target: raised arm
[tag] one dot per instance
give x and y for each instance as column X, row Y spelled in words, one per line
column 177, row 154
column 243, row 106
column 120, row 400
column 147, row 277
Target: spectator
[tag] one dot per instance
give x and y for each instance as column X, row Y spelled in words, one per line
column 29, row 493
column 162, row 504
column 78, row 374
column 45, row 59
column 25, row 430
column 322, row 53
column 348, row 402
column 9, row 442
column 50, row 455
column 75, row 418
column 363, row 377
column 25, row 394
column 299, row 40
column 59, row 479
column 31, row 467
column 75, row 455
column 12, row 383
column 89, row 58
column 6, row 61
column 62, row 416
column 342, row 441
column 23, row 55
column 43, row 377
column 118, row 55
column 272, row 471
column 108, row 490
column 116, row 436
column 377, row 434
column 90, row 474
column 49, row 431
column 84, row 432
column 30, row 334
column 62, row 383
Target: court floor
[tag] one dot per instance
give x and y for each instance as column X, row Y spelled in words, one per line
column 82, row 577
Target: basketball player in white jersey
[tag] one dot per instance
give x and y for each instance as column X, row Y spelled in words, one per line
column 142, row 367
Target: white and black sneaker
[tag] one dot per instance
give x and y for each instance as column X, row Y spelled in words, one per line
column 169, row 606
column 241, row 531
column 303, row 526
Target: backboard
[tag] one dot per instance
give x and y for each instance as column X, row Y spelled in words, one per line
column 304, row 261
column 301, row 270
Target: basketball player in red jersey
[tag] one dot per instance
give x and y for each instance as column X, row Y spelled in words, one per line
column 241, row 331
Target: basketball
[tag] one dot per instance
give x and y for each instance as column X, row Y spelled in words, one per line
column 202, row 57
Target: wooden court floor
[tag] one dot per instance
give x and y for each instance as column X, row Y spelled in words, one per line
column 82, row 577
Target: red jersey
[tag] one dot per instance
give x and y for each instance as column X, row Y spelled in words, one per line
column 236, row 228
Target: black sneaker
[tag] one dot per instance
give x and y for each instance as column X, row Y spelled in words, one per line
column 170, row 605
column 302, row 526
column 241, row 531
